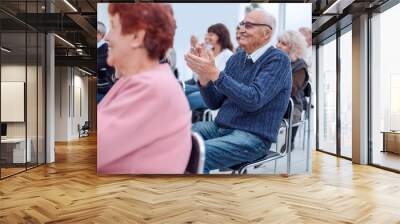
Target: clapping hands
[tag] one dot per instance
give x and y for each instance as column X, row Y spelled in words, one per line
column 201, row 61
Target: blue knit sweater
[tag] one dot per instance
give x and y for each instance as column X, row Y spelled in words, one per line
column 252, row 97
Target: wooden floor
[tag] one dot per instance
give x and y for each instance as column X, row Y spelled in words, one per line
column 387, row 159
column 69, row 191
column 10, row 171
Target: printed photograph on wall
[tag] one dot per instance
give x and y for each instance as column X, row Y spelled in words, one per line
column 199, row 88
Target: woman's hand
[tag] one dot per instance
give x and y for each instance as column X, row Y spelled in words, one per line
column 193, row 41
column 202, row 63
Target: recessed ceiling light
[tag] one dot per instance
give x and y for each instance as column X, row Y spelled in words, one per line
column 70, row 5
column 5, row 50
column 64, row 40
column 84, row 71
column 338, row 6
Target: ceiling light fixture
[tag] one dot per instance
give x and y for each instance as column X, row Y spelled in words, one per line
column 84, row 71
column 64, row 40
column 5, row 50
column 338, row 6
column 70, row 5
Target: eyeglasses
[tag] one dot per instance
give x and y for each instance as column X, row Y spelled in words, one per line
column 250, row 25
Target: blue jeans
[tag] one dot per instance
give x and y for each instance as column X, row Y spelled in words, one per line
column 228, row 147
column 191, row 89
column 195, row 99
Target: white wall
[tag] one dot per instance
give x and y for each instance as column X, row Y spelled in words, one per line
column 298, row 15
column 13, row 94
column 102, row 14
column 33, row 126
column 80, row 96
column 194, row 19
column 84, row 84
column 15, row 73
column 61, row 103
column 69, row 82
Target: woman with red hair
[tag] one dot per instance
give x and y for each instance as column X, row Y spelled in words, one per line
column 144, row 123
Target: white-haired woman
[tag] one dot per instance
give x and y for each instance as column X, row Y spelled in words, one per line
column 294, row 44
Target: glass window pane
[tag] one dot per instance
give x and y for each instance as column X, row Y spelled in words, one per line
column 41, row 98
column 32, row 96
column 385, row 89
column 23, row 85
column 13, row 87
column 346, row 94
column 327, row 97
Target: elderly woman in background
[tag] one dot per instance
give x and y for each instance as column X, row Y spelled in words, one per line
column 219, row 42
column 294, row 44
column 140, row 129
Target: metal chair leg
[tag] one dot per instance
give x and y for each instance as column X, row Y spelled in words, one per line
column 308, row 147
column 304, row 134
column 289, row 152
column 288, row 162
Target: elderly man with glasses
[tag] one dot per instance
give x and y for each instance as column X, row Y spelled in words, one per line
column 251, row 93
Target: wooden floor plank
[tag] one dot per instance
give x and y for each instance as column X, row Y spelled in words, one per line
column 70, row 191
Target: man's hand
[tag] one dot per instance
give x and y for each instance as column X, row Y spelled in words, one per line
column 201, row 61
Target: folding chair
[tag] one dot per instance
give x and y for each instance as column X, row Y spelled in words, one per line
column 286, row 125
column 84, row 130
column 197, row 155
column 209, row 115
column 307, row 129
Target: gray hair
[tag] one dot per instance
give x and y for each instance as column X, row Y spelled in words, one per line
column 101, row 28
column 267, row 18
column 297, row 43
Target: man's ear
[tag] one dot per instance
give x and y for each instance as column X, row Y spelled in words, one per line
column 264, row 32
column 267, row 34
column 137, row 38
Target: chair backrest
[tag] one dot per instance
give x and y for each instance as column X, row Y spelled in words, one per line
column 86, row 125
column 197, row 155
column 308, row 93
column 288, row 122
column 207, row 115
column 307, row 89
column 210, row 115
column 283, row 132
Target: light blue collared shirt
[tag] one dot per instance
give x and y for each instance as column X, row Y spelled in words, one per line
column 100, row 43
column 260, row 51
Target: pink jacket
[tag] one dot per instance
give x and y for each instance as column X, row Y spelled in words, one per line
column 144, row 125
